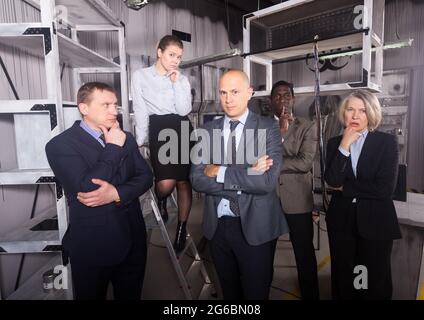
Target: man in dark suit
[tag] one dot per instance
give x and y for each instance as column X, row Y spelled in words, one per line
column 242, row 213
column 299, row 149
column 103, row 174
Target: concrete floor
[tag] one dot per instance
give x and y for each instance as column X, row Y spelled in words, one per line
column 161, row 282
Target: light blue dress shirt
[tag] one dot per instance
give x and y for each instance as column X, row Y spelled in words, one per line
column 355, row 151
column 224, row 205
column 95, row 134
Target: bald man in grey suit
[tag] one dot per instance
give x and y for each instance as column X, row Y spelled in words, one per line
column 242, row 213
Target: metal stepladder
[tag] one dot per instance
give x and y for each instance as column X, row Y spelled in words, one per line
column 197, row 268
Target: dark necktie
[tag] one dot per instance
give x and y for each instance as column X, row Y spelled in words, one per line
column 102, row 137
column 232, row 150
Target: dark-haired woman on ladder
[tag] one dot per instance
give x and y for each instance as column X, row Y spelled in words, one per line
column 162, row 100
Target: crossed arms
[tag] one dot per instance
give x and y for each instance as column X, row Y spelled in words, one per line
column 81, row 180
column 261, row 178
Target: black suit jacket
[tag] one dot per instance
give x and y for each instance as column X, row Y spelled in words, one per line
column 373, row 187
column 100, row 235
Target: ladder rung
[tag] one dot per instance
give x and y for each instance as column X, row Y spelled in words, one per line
column 196, row 269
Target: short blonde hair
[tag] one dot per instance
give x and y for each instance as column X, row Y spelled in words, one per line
column 372, row 107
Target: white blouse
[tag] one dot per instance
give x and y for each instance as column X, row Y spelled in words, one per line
column 156, row 94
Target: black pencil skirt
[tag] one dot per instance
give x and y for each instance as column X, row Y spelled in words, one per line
column 170, row 157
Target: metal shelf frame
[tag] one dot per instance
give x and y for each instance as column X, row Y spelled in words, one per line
column 43, row 40
column 368, row 38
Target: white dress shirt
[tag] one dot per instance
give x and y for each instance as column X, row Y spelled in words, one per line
column 154, row 93
column 224, row 205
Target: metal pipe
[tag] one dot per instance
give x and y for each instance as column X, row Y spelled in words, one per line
column 210, row 58
column 319, row 123
column 199, row 111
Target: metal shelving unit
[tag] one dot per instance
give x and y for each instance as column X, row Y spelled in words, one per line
column 286, row 31
column 37, row 121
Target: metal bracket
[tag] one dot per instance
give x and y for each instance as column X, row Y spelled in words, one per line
column 47, row 37
column 245, row 17
column 364, row 81
column 59, row 189
column 52, row 110
column 53, row 248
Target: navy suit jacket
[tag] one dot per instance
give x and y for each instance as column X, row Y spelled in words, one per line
column 100, row 235
column 373, row 187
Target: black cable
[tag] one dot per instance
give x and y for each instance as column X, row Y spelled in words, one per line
column 320, row 213
column 321, row 228
column 32, row 6
column 396, row 20
column 61, row 71
column 227, row 13
column 9, row 79
column 325, row 200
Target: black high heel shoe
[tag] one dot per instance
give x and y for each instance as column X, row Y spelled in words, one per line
column 163, row 210
column 180, row 236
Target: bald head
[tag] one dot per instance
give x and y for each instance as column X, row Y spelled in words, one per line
column 237, row 75
column 235, row 93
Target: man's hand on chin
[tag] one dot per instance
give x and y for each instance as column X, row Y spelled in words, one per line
column 114, row 135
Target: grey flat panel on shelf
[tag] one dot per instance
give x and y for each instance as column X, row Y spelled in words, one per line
column 24, row 240
column 70, row 52
column 32, row 289
column 32, row 132
column 33, row 129
column 70, row 114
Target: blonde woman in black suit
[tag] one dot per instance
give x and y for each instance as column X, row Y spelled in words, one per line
column 361, row 166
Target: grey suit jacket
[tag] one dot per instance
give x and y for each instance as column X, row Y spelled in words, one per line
column 261, row 214
column 299, row 149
